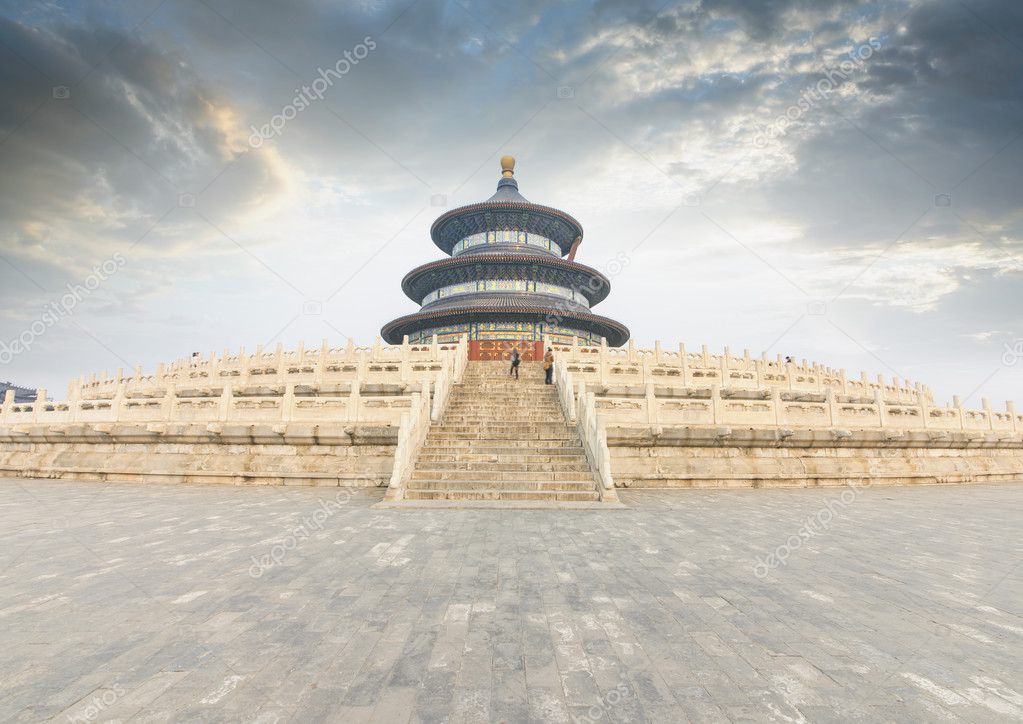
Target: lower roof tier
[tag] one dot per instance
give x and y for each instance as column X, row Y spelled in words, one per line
column 616, row 334
column 529, row 267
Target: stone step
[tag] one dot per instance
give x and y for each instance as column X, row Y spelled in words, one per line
column 482, row 398
column 522, row 435
column 550, row 447
column 497, row 475
column 501, row 485
column 502, row 441
column 497, row 427
column 573, row 495
column 427, row 458
column 462, row 421
column 502, row 413
column 575, row 465
column 510, row 387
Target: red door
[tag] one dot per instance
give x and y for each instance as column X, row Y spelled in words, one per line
column 501, row 349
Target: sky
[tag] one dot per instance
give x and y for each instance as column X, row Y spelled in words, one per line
column 833, row 180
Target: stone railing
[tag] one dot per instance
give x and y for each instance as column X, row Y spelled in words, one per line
column 450, row 374
column 667, row 406
column 366, row 385
column 580, row 408
column 354, row 402
column 379, row 363
column 610, row 366
column 415, row 424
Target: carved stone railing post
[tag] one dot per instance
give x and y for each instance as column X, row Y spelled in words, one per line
column 1010, row 407
column 829, row 399
column 957, row 403
column 925, row 409
column 717, row 405
column 683, row 362
column 39, row 406
column 288, row 402
column 362, row 365
column 226, row 399
column 882, row 413
column 117, row 403
column 651, row 404
column 243, row 365
column 354, row 397
column 321, row 362
column 169, row 402
column 8, row 405
column 777, row 404
column 406, row 360
column 985, row 404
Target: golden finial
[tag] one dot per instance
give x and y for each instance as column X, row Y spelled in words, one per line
column 507, row 166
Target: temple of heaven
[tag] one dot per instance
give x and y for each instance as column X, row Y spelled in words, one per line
column 506, row 283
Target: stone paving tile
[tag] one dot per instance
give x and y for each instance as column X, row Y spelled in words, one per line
column 156, row 603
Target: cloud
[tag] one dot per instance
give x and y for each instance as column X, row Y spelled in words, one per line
column 654, row 149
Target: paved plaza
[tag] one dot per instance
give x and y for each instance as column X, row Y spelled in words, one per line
column 189, row 603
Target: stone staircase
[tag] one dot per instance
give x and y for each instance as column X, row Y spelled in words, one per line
column 503, row 439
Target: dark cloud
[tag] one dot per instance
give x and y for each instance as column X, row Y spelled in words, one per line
column 665, row 101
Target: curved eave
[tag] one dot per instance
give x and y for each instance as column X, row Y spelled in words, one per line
column 575, row 228
column 617, row 334
column 410, row 284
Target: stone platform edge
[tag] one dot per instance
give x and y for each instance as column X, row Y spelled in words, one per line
column 723, row 457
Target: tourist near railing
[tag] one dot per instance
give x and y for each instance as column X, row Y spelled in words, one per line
column 415, row 424
column 579, row 407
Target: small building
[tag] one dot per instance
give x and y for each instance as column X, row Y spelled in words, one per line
column 21, row 394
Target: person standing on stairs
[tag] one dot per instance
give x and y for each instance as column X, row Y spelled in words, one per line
column 514, row 363
column 548, row 366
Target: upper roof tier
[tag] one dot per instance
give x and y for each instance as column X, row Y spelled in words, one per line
column 506, row 210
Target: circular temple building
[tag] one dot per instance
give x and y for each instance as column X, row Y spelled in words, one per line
column 506, row 283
